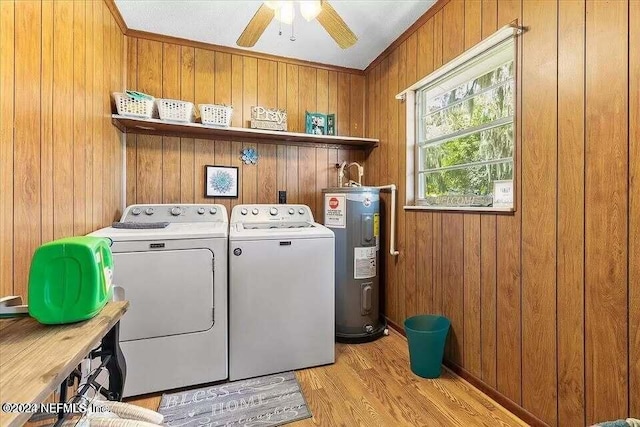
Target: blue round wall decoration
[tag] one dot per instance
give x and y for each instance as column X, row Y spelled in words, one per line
column 250, row 156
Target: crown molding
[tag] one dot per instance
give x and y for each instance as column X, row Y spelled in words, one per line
column 218, row 48
column 232, row 50
column 116, row 15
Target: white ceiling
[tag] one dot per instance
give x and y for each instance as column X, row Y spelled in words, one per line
column 376, row 23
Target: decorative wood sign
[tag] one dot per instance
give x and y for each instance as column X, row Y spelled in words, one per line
column 268, row 118
column 460, row 200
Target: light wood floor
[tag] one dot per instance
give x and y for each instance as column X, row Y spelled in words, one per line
column 371, row 385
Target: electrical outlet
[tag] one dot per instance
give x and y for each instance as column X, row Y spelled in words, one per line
column 282, row 197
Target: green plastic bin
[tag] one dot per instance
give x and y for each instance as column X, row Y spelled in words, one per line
column 70, row 279
column 426, row 335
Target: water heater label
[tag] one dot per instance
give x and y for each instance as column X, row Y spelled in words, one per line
column 335, row 210
column 376, row 229
column 364, row 262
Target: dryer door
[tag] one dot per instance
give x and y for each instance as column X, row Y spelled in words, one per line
column 170, row 292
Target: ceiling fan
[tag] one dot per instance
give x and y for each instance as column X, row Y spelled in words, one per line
column 284, row 11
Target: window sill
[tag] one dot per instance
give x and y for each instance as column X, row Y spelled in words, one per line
column 460, row 209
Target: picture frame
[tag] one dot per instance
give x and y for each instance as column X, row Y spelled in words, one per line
column 503, row 194
column 221, row 181
column 316, row 123
column 331, row 124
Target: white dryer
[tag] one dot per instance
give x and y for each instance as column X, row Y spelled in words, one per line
column 281, row 290
column 175, row 277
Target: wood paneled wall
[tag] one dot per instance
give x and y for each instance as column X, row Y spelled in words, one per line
column 544, row 303
column 60, row 157
column 171, row 170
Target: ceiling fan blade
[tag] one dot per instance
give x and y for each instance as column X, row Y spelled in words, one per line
column 256, row 26
column 336, row 27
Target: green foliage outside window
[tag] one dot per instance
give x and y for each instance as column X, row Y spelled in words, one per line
column 470, row 124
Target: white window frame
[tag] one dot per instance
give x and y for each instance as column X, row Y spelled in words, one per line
column 409, row 97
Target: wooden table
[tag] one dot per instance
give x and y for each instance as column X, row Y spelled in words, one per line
column 35, row 359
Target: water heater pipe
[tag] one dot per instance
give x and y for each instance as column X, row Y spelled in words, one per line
column 341, row 169
column 392, row 243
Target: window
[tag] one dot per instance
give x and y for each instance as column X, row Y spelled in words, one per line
column 464, row 132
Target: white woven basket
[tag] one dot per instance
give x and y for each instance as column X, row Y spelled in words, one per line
column 133, row 107
column 175, row 110
column 215, row 115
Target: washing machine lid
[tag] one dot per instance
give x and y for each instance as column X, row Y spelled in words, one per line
column 276, row 225
column 173, row 231
column 277, row 230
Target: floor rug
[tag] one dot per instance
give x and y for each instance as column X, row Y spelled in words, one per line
column 264, row 401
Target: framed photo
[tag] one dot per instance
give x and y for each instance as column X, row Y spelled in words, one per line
column 221, row 181
column 316, row 123
column 331, row 124
column 503, row 194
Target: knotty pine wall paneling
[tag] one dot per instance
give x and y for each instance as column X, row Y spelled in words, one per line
column 171, row 170
column 392, row 270
column 509, row 252
column 7, row 115
column 539, row 185
column 543, row 301
column 471, row 233
column 452, row 223
column 410, row 242
column 27, row 216
column 606, row 193
column 267, row 95
column 436, row 221
column 171, row 145
column 187, row 145
column 634, row 209
column 570, row 212
column 488, row 252
column 60, row 156
column 403, row 295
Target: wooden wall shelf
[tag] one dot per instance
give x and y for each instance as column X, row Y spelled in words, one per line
column 198, row 131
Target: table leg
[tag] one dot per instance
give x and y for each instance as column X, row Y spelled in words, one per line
column 63, row 398
column 116, row 365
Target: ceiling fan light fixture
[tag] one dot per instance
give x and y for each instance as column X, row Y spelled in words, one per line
column 286, row 12
column 310, row 9
column 274, row 4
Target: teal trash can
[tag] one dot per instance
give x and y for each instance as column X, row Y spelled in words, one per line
column 426, row 335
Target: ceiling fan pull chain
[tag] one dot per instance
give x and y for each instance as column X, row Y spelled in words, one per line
column 293, row 37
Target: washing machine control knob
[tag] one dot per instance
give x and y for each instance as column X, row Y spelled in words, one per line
column 200, row 211
column 291, row 211
column 255, row 211
column 213, row 211
column 273, row 211
column 176, row 211
column 243, row 211
column 149, row 211
column 301, row 211
column 136, row 211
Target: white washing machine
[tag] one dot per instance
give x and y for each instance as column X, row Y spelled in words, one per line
column 175, row 277
column 281, row 290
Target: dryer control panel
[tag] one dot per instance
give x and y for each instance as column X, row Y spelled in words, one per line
column 268, row 213
column 175, row 213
